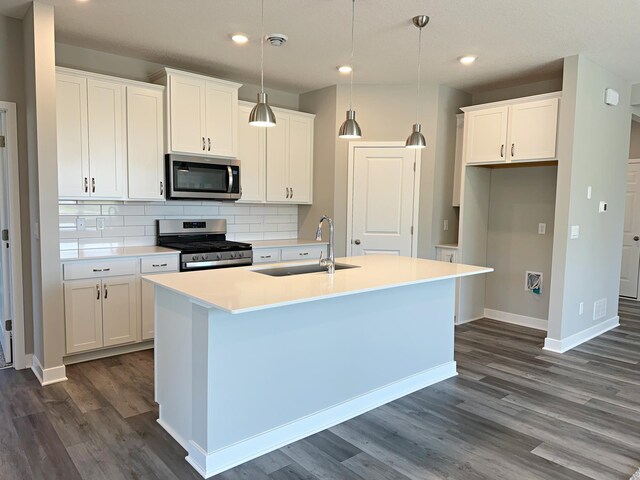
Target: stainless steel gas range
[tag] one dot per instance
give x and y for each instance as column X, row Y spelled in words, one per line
column 203, row 244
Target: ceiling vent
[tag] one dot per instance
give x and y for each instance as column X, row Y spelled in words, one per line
column 276, row 39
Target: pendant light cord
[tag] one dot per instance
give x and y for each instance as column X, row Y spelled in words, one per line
column 419, row 62
column 262, row 49
column 353, row 23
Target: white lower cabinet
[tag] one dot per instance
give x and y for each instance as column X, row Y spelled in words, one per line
column 266, row 255
column 83, row 315
column 119, row 311
column 289, row 254
column 150, row 266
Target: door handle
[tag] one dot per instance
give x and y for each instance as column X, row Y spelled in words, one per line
column 357, row 241
column 502, row 151
column 230, row 173
column 204, row 146
column 636, row 238
column 93, row 185
column 209, row 139
column 513, row 149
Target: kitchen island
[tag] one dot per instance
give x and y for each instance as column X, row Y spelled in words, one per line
column 246, row 362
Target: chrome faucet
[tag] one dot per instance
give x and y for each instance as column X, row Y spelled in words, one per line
column 328, row 263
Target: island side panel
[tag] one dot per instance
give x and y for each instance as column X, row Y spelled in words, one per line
column 280, row 374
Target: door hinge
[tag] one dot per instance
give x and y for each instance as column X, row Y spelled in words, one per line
column 3, row 142
column 8, row 325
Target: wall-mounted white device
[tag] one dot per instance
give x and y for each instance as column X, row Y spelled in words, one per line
column 602, row 207
column 611, row 97
column 575, row 232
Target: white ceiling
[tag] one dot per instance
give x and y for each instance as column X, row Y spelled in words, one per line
column 516, row 40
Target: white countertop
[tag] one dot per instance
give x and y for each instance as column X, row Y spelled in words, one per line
column 297, row 242
column 93, row 253
column 241, row 289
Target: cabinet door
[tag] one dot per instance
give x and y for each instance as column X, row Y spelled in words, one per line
column 266, row 255
column 533, row 130
column 278, row 160
column 83, row 315
column 73, row 140
column 145, row 143
column 119, row 310
column 486, row 139
column 252, row 155
column 306, row 252
column 106, row 138
column 187, row 114
column 147, row 300
column 300, row 158
column 221, row 114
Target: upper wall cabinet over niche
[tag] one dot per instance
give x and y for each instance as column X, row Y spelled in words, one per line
column 109, row 137
column 522, row 130
column 202, row 114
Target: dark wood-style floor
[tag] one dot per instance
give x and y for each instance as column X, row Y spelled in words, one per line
column 514, row 412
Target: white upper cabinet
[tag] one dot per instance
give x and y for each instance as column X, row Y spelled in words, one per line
column 202, row 116
column 252, row 155
column 278, row 160
column 73, row 136
column 110, row 133
column 105, row 102
column 145, row 143
column 487, row 135
column 300, row 158
column 533, row 130
column 522, row 130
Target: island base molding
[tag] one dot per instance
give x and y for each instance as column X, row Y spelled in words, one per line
column 212, row 463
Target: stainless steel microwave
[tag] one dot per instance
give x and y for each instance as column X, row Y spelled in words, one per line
column 202, row 178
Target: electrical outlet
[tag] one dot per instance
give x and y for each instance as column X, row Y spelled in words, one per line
column 542, row 228
column 81, row 224
column 575, row 232
column 446, row 225
column 100, row 223
column 581, row 308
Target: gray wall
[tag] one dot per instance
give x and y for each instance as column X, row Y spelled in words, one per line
column 593, row 149
column 519, row 91
column 634, row 144
column 95, row 61
column 12, row 90
column 40, row 94
column 520, row 198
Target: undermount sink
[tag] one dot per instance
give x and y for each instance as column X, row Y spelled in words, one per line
column 300, row 269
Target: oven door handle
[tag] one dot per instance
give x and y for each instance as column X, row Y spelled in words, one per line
column 230, row 173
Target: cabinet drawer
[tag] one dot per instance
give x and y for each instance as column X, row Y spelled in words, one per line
column 447, row 255
column 155, row 264
column 266, row 255
column 98, row 269
column 309, row 252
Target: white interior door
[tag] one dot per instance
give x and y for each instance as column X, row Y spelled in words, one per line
column 631, row 238
column 5, row 258
column 382, row 201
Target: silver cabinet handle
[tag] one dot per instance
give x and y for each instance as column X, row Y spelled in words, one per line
column 303, row 254
column 291, row 192
column 265, row 256
column 106, row 292
column 287, row 188
column 513, row 149
column 157, row 265
column 101, row 269
column 502, row 151
column 86, row 185
column 97, row 292
column 203, row 145
column 209, row 139
column 357, row 241
column 93, row 185
column 161, row 188
column 230, row 173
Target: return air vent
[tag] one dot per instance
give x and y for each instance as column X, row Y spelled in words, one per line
column 600, row 309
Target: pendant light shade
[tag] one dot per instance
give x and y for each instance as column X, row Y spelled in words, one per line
column 261, row 115
column 350, row 128
column 416, row 139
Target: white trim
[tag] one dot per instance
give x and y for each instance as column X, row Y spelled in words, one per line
column 416, row 190
column 109, row 78
column 15, row 236
column 47, row 376
column 515, row 319
column 176, row 436
column 212, row 463
column 469, row 320
column 107, row 352
column 634, row 160
column 515, row 101
column 561, row 346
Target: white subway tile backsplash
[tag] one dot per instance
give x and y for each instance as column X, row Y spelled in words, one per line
column 134, row 223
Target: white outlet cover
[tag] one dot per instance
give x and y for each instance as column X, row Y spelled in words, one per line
column 589, row 192
column 581, row 308
column 446, row 225
column 81, row 224
column 575, row 232
column 100, row 223
column 542, row 228
column 602, row 207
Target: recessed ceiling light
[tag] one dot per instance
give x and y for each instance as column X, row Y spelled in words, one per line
column 345, row 69
column 467, row 59
column 239, row 38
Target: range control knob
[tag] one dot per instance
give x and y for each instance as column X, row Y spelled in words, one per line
column 205, row 256
column 218, row 256
column 194, row 258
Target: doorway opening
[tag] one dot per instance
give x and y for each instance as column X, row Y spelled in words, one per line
column 630, row 268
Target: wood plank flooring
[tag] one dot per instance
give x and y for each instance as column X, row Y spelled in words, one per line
column 514, row 412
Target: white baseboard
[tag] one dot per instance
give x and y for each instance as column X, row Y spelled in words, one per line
column 566, row 344
column 176, row 436
column 107, row 352
column 28, row 360
column 211, row 463
column 469, row 320
column 515, row 319
column 47, row 376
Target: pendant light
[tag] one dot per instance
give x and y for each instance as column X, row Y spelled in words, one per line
column 416, row 139
column 261, row 115
column 350, row 128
